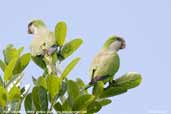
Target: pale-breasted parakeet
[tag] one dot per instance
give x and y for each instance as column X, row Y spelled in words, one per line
column 106, row 63
column 43, row 43
column 42, row 38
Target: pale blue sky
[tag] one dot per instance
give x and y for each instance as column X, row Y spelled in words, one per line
column 145, row 25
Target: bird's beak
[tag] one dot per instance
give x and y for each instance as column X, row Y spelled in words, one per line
column 29, row 31
column 123, row 43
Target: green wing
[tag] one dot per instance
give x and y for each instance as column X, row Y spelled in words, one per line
column 106, row 63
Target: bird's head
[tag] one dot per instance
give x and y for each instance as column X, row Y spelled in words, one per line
column 115, row 43
column 34, row 25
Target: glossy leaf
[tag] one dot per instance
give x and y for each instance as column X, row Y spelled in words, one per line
column 60, row 33
column 104, row 102
column 9, row 69
column 98, row 88
column 28, row 103
column 54, row 58
column 73, row 90
column 3, row 96
column 1, row 81
column 2, row 65
column 40, row 100
column 69, row 68
column 82, row 102
column 66, row 106
column 39, row 61
column 41, row 81
column 129, row 80
column 20, row 50
column 112, row 91
column 94, row 107
column 10, row 52
column 15, row 105
column 58, row 107
column 63, row 89
column 14, row 93
column 53, row 85
column 1, row 110
column 81, row 85
column 71, row 47
column 22, row 62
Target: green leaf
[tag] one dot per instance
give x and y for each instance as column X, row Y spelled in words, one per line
column 22, row 62
column 2, row 65
column 41, row 81
column 66, row 106
column 73, row 90
column 28, row 103
column 14, row 93
column 20, row 50
column 54, row 58
column 1, row 81
column 58, row 107
column 82, row 102
column 15, row 105
column 129, row 80
column 10, row 52
column 104, row 102
column 80, row 83
column 53, row 85
column 1, row 110
column 71, row 47
column 63, row 89
column 69, row 67
column 98, row 88
column 113, row 91
column 60, row 33
column 3, row 97
column 40, row 100
column 94, row 107
column 39, row 61
column 9, row 69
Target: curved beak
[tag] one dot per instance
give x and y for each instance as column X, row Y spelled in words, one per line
column 29, row 31
column 123, row 44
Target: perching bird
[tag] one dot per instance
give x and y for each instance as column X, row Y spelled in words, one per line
column 43, row 43
column 43, row 39
column 106, row 63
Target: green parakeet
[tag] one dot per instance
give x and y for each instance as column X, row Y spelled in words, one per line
column 43, row 39
column 43, row 43
column 106, row 63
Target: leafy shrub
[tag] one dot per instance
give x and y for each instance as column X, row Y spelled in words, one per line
column 55, row 92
